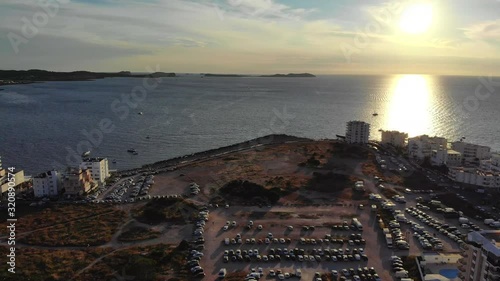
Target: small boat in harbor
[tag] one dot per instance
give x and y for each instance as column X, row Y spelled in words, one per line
column 86, row 153
column 132, row 150
column 147, row 137
column 140, row 113
column 135, row 152
column 114, row 161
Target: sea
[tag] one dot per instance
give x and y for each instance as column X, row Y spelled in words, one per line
column 48, row 125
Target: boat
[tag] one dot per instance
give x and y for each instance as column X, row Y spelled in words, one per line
column 114, row 160
column 140, row 113
column 131, row 150
column 86, row 153
column 375, row 114
column 148, row 137
column 135, row 152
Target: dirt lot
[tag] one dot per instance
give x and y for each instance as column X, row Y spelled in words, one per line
column 283, row 166
column 275, row 220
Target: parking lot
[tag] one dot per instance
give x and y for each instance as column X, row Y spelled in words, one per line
column 285, row 240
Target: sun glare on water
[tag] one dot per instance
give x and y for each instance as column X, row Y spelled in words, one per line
column 416, row 18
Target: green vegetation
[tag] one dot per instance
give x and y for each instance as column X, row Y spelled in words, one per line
column 137, row 234
column 313, row 162
column 410, row 264
column 174, row 210
column 344, row 150
column 418, row 180
column 248, row 190
column 330, row 182
column 427, row 164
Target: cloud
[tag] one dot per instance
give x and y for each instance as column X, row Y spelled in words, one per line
column 267, row 9
column 488, row 31
column 246, row 36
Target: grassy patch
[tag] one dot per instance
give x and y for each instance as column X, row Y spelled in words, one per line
column 57, row 214
column 40, row 264
column 90, row 227
column 141, row 263
column 137, row 234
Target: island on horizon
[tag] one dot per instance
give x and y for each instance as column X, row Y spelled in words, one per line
column 289, row 75
column 11, row 77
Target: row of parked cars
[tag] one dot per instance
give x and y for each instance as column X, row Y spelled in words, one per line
column 296, row 254
column 351, row 240
column 197, row 246
column 359, row 274
column 427, row 240
column 398, row 267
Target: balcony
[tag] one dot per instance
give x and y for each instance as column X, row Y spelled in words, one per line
column 462, row 268
column 462, row 261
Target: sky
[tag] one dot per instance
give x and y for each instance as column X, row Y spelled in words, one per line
column 251, row 36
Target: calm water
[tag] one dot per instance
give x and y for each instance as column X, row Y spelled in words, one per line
column 42, row 123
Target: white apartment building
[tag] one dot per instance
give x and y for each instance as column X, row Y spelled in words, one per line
column 471, row 152
column 481, row 256
column 448, row 157
column 422, row 146
column 46, row 184
column 475, row 176
column 492, row 164
column 357, row 132
column 394, row 138
column 98, row 167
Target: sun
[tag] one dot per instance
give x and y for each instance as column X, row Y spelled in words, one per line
column 416, row 18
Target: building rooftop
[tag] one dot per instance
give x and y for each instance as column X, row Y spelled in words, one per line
column 489, row 239
column 43, row 175
column 93, row 159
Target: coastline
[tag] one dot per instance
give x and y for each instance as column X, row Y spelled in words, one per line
column 173, row 163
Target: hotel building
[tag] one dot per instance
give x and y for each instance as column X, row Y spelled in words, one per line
column 98, row 168
column 76, row 181
column 46, row 184
column 357, row 132
column 394, row 138
column 471, row 152
column 422, row 146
